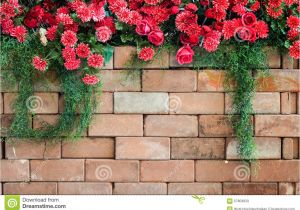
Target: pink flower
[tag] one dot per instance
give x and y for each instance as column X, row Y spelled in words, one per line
column 39, row 63
column 156, row 37
column 185, row 55
column 90, row 79
column 68, row 38
column 83, row 50
column 84, row 13
column 19, row 32
column 95, row 61
column 249, row 19
column 103, row 34
column 143, row 27
column 68, row 53
column 72, row 64
column 146, row 54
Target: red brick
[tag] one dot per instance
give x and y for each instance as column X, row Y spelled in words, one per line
column 28, row 149
column 288, row 103
column 167, row 171
column 124, row 54
column 84, row 188
column 196, row 103
column 142, row 148
column 250, row 188
column 140, row 188
column 40, row 121
column 14, row 170
column 221, row 171
column 280, row 81
column 57, row 170
column 105, row 103
column 288, row 148
column 175, row 125
column 31, row 188
column 89, row 148
column 266, row 148
column 277, row 125
column 116, row 125
column 112, row 170
column 215, row 126
column 211, row 80
column 120, row 80
column 197, row 148
column 276, row 171
column 169, row 81
column 262, row 103
column 286, row 189
column 273, row 58
column 195, row 188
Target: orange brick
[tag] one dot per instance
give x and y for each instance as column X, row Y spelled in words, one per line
column 195, row 188
column 262, row 103
column 288, row 103
column 171, row 125
column 276, row 171
column 277, row 125
column 167, row 171
column 116, row 125
column 215, row 126
column 266, row 148
column 31, row 188
column 273, row 58
column 40, row 121
column 112, row 170
column 84, row 188
column 286, row 189
column 124, row 54
column 169, row 81
column 196, row 103
column 89, row 148
column 142, row 148
column 250, row 188
column 120, row 80
column 140, row 188
column 280, row 81
column 211, row 80
column 288, row 148
column 57, row 170
column 222, row 171
column 14, row 170
column 28, row 149
column 197, row 148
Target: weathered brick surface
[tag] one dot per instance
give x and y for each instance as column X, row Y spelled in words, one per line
column 140, row 188
column 40, row 121
column 197, row 103
column 31, row 188
column 286, row 188
column 84, row 188
column 277, row 125
column 14, row 170
column 195, row 188
column 211, row 80
column 215, row 126
column 169, row 81
column 288, row 103
column 273, row 58
column 143, row 148
column 174, row 126
column 288, row 148
column 197, row 148
column 250, row 188
column 145, row 103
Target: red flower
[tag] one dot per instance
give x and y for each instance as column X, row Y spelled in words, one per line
column 249, row 19
column 185, row 55
column 156, row 37
column 146, row 54
column 174, row 10
column 185, row 19
column 31, row 22
column 72, row 27
column 143, row 27
column 90, row 79
column 49, row 19
column 84, row 13
column 7, row 26
column 262, row 29
column 239, row 9
column 83, row 50
column 19, row 32
column 108, row 22
column 98, row 12
column 245, row 34
column 293, row 22
column 7, row 10
column 103, row 34
column 190, row 40
column 51, row 33
column 68, row 53
column 65, row 19
column 211, row 41
column 68, row 38
column 72, row 64
column 191, row 7
column 293, row 34
column 39, row 63
column 152, row 2
column 95, row 61
column 295, row 50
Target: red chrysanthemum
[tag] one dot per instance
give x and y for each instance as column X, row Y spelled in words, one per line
column 211, row 41
column 19, row 32
column 83, row 50
column 90, row 79
column 103, row 34
column 84, row 13
column 62, row 10
column 255, row 6
column 108, row 22
column 72, row 27
column 152, row 2
column 98, row 13
column 187, row 22
column 274, row 12
column 293, row 34
column 262, row 29
column 239, row 9
column 39, row 63
column 116, row 5
column 95, row 61
column 65, row 19
column 72, row 64
column 293, row 21
column 68, row 38
column 146, row 54
column 7, row 26
column 295, row 50
column 221, row 4
column 7, row 10
column 68, row 53
column 51, row 33
column 230, row 27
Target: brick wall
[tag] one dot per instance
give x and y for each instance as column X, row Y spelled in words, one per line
column 161, row 132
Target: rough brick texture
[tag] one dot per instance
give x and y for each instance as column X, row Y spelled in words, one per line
column 162, row 130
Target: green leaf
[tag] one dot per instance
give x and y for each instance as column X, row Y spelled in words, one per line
column 126, row 38
column 108, row 53
column 287, row 44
